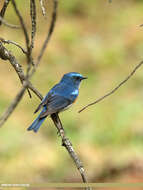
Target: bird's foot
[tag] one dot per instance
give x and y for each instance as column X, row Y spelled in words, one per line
column 60, row 132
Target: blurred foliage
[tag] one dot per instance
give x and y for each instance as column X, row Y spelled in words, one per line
column 101, row 40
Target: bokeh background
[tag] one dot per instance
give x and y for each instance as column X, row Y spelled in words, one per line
column 103, row 41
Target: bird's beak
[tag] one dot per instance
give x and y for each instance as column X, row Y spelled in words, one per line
column 84, row 78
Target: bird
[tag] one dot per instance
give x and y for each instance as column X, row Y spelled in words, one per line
column 59, row 98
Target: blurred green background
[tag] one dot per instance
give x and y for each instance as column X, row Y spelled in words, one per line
column 104, row 42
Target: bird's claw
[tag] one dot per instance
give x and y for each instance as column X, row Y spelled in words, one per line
column 60, row 132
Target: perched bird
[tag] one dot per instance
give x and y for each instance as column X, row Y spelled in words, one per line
column 59, row 98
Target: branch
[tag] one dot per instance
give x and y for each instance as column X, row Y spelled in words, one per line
column 14, row 43
column 13, row 105
column 3, row 10
column 6, row 55
column 115, row 89
column 33, row 20
column 42, row 7
column 68, row 145
column 3, row 21
column 22, row 24
column 29, row 57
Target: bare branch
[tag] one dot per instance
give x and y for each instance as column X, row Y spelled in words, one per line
column 14, row 43
column 33, row 20
column 2, row 20
column 13, row 105
column 3, row 10
column 7, row 55
column 31, row 87
column 116, row 88
column 22, row 24
column 29, row 57
column 68, row 145
column 42, row 7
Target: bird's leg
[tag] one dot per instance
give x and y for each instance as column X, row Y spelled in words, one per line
column 58, row 124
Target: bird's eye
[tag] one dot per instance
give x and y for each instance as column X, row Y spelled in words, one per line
column 77, row 78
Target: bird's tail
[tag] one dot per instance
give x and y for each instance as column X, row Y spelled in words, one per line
column 37, row 123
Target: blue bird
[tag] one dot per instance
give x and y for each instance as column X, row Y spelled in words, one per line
column 59, row 98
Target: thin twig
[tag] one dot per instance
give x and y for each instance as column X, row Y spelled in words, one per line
column 14, row 43
column 68, row 145
column 35, row 91
column 42, row 7
column 22, row 24
column 28, row 55
column 13, row 105
column 33, row 21
column 115, row 89
column 3, row 10
column 2, row 20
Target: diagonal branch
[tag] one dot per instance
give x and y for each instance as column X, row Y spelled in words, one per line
column 7, row 55
column 68, row 145
column 3, row 10
column 27, row 41
column 22, row 24
column 13, row 105
column 116, row 88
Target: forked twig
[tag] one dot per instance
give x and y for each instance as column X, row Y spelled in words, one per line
column 14, row 43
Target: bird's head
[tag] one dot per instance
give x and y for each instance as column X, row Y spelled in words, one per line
column 73, row 78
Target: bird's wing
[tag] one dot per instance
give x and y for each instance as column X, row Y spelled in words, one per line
column 55, row 104
column 44, row 102
column 47, row 98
